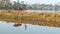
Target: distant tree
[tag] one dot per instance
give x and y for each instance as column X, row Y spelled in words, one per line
column 8, row 3
column 56, row 7
column 14, row 3
column 17, row 1
column 51, row 7
column 22, row 2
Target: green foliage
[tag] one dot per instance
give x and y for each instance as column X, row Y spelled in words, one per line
column 16, row 17
column 25, row 18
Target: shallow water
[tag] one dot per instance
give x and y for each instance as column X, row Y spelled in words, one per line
column 8, row 28
column 46, row 11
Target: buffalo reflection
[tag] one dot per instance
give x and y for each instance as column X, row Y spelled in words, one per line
column 17, row 25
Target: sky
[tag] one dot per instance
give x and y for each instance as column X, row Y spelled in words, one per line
column 41, row 1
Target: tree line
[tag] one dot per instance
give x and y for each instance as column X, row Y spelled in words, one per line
column 7, row 4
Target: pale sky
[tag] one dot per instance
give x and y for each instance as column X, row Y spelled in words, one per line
column 41, row 1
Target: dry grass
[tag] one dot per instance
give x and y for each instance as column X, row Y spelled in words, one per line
column 45, row 19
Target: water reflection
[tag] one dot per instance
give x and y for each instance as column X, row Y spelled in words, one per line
column 8, row 28
column 18, row 23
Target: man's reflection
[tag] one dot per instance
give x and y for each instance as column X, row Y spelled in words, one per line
column 25, row 26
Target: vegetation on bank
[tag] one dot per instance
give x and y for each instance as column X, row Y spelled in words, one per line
column 49, row 19
column 28, row 16
column 24, row 18
column 14, row 17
